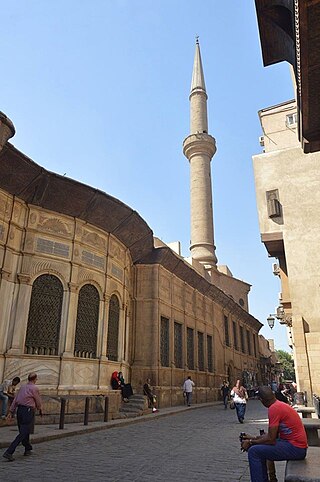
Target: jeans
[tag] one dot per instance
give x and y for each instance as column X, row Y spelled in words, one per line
column 241, row 410
column 4, row 399
column 225, row 401
column 189, row 398
column 259, row 454
column 25, row 417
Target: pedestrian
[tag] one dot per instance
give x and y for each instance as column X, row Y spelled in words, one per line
column 7, row 389
column 27, row 400
column 286, row 438
column 240, row 397
column 225, row 391
column 187, row 389
column 152, row 399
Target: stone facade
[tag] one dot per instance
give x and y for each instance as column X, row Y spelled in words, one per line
column 60, row 239
column 288, row 200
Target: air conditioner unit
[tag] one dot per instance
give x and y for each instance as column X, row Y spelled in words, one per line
column 276, row 269
column 261, row 141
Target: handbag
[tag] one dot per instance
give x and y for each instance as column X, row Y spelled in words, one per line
column 232, row 405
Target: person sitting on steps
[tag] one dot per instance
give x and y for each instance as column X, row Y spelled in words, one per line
column 147, row 390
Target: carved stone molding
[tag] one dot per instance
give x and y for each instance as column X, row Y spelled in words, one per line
column 5, row 274
column 23, row 278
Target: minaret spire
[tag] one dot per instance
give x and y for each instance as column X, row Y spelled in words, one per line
column 199, row 147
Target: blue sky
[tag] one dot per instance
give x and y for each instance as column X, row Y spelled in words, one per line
column 99, row 90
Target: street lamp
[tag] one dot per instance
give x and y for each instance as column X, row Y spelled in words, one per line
column 270, row 321
column 281, row 316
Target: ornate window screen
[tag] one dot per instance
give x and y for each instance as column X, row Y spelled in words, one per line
column 254, row 344
column 243, row 348
column 235, row 336
column 209, row 353
column 164, row 342
column 226, row 331
column 249, row 342
column 190, row 349
column 113, row 328
column 87, row 322
column 44, row 318
column 178, row 344
column 200, row 351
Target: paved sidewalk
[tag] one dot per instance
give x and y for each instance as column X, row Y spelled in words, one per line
column 176, row 444
column 44, row 433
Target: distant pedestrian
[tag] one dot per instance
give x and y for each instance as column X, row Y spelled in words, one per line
column 187, row 389
column 225, row 392
column 7, row 389
column 240, row 396
column 27, row 400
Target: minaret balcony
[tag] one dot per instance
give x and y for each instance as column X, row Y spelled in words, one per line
column 200, row 143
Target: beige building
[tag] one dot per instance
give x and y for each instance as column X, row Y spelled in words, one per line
column 288, row 199
column 287, row 177
column 86, row 289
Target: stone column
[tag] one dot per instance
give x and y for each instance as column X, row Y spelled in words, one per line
column 71, row 321
column 21, row 315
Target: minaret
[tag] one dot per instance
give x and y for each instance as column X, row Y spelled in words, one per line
column 199, row 147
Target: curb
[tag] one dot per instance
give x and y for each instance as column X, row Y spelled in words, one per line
column 35, row 439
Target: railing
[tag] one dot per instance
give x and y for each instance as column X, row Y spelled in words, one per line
column 63, row 401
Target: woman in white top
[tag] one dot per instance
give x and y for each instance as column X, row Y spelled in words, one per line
column 240, row 396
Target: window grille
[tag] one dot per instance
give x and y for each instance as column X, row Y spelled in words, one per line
column 254, row 344
column 117, row 272
column 226, row 331
column 235, row 336
column 113, row 328
column 92, row 259
column 200, row 351
column 249, row 342
column 190, row 349
column 209, row 353
column 44, row 318
column 52, row 247
column 243, row 348
column 164, row 342
column 178, row 345
column 87, row 322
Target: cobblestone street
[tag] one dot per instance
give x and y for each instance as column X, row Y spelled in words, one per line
column 197, row 445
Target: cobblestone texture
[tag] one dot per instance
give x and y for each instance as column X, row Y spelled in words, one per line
column 198, row 445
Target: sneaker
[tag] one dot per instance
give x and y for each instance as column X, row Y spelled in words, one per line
column 3, row 417
column 8, row 457
column 27, row 452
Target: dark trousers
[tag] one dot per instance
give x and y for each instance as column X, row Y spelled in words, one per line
column 258, row 455
column 25, row 418
column 189, row 398
column 241, row 410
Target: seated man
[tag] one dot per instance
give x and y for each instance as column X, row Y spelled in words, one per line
column 7, row 392
column 147, row 390
column 286, row 438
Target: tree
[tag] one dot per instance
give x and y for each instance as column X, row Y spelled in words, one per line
column 287, row 363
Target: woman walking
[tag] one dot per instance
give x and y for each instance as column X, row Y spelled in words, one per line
column 240, row 396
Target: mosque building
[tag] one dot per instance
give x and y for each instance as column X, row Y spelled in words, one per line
column 86, row 289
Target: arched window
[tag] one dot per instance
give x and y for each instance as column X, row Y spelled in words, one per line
column 113, row 328
column 44, row 319
column 87, row 322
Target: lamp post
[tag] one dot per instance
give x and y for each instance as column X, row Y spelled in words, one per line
column 270, row 321
column 281, row 316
